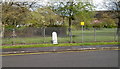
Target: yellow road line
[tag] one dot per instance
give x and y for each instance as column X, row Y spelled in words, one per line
column 52, row 52
column 24, row 54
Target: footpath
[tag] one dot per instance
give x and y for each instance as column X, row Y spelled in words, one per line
column 59, row 49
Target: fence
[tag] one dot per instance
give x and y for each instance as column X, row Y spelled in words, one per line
column 43, row 35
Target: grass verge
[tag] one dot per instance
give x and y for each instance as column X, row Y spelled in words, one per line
column 59, row 45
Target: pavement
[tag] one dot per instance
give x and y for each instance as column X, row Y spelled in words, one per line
column 58, row 49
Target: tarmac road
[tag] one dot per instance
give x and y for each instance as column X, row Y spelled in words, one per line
column 68, row 59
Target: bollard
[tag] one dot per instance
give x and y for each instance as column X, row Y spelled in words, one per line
column 54, row 38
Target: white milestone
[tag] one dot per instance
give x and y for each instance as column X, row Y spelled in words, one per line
column 54, row 38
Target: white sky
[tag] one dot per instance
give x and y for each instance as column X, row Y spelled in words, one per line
column 97, row 3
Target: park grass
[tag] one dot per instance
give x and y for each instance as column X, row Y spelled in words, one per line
column 59, row 45
column 88, row 36
column 40, row 40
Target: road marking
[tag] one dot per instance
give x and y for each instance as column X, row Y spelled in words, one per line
column 53, row 52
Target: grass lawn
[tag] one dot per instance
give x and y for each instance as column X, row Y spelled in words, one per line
column 55, row 45
column 88, row 36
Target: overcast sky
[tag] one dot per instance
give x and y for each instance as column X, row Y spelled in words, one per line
column 97, row 3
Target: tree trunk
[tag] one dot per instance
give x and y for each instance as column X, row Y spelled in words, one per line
column 118, row 27
column 2, row 29
column 1, row 32
column 44, row 33
column 70, row 32
column 63, row 20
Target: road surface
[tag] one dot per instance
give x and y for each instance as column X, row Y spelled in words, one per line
column 68, row 59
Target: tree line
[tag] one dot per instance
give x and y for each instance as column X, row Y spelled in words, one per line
column 60, row 14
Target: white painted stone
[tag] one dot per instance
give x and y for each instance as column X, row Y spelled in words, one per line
column 54, row 38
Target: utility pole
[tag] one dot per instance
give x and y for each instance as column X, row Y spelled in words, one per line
column 1, row 32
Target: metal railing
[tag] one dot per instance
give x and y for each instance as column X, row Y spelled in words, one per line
column 40, row 35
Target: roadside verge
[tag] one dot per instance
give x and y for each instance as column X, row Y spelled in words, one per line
column 42, row 50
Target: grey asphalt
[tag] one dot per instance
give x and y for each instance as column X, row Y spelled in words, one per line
column 68, row 59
